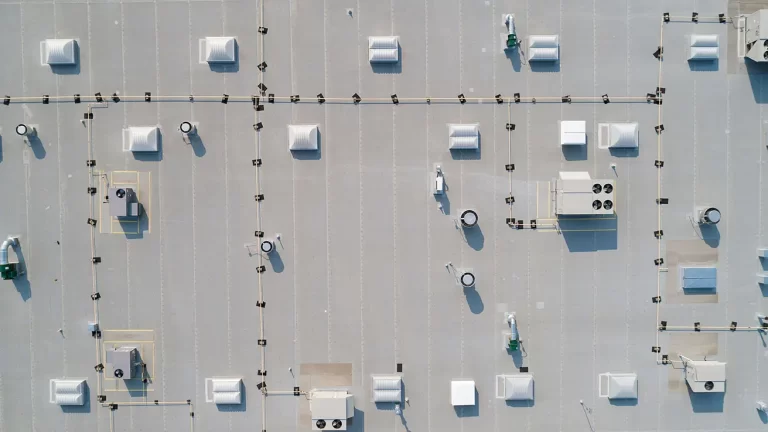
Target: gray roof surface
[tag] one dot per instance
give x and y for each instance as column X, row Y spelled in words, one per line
column 360, row 276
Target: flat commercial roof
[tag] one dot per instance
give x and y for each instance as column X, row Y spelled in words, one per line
column 363, row 280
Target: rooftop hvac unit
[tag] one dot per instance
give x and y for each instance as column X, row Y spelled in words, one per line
column 386, row 388
column 463, row 137
column 704, row 47
column 514, row 387
column 383, row 49
column 543, row 48
column 704, row 376
column 123, row 202
column 141, row 139
column 58, row 52
column 331, row 409
column 617, row 135
column 577, row 194
column 756, row 36
column 224, row 391
column 617, row 385
column 218, row 50
column 67, row 391
column 302, row 137
column 123, row 361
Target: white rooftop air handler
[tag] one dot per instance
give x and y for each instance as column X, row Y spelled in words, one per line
column 704, row 376
column 331, row 409
column 706, row 215
column 544, row 48
column 217, row 50
column 463, row 393
column 617, row 135
column 386, row 388
column 756, row 36
column 141, row 139
column 704, row 47
column 224, row 391
column 463, row 137
column 577, row 194
column 383, row 49
column 514, row 387
column 58, row 52
column 617, row 385
column 573, row 133
column 302, row 137
column 67, row 391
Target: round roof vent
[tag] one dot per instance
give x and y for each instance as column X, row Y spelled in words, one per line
column 608, row 188
column 118, row 373
column 22, row 129
column 469, row 218
column 120, row 193
column 712, row 215
column 596, row 188
column 607, row 204
column 267, row 246
column 467, row 279
column 597, row 205
column 320, row 424
column 336, row 424
column 709, row 385
column 186, row 127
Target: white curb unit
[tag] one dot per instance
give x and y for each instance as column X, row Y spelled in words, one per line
column 141, row 138
column 514, row 387
column 463, row 136
column 573, row 132
column 617, row 385
column 58, row 52
column 302, row 137
column 224, row 391
column 67, row 391
column 544, row 48
column 462, row 393
column 217, row 49
column 383, row 49
column 704, row 47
